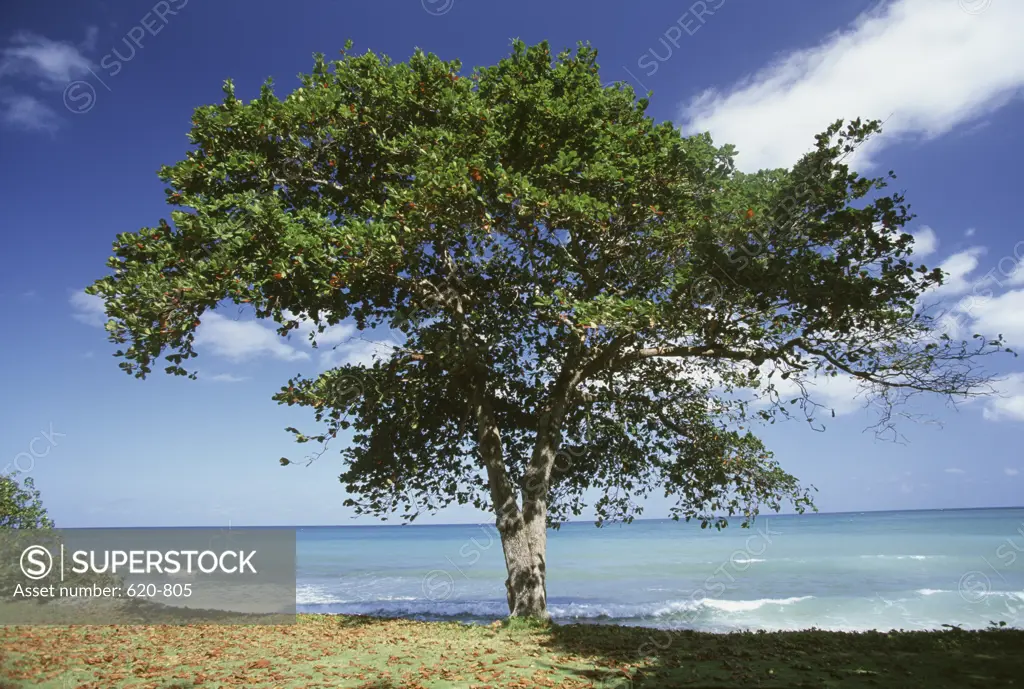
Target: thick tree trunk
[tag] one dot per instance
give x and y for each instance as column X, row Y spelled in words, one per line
column 524, row 541
column 527, row 580
column 523, row 531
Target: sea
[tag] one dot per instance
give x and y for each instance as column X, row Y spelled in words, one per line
column 909, row 570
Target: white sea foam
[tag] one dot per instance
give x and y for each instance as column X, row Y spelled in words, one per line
column 408, row 606
column 773, row 614
column 748, row 605
column 1018, row 595
column 319, row 594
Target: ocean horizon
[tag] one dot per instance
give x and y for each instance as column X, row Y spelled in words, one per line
column 734, row 521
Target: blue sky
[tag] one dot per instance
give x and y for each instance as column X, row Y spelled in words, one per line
column 87, row 116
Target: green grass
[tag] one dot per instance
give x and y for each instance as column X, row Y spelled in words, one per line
column 322, row 651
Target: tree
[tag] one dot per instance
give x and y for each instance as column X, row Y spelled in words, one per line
column 587, row 299
column 21, row 509
column 20, row 505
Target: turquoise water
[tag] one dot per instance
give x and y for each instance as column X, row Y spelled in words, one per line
column 855, row 571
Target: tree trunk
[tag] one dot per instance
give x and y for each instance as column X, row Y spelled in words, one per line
column 526, row 559
column 524, row 541
column 523, row 531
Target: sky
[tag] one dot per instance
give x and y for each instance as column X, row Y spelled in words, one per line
column 96, row 96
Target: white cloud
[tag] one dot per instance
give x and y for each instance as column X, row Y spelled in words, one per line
column 343, row 344
column 52, row 63
column 21, row 111
column 49, row 66
column 336, row 334
column 1009, row 270
column 89, row 309
column 1008, row 403
column 948, row 323
column 954, row 470
column 332, row 335
column 1003, row 315
column 921, row 66
column 841, row 393
column 242, row 340
column 227, row 378
column 925, row 242
column 957, row 268
column 357, row 353
column 1010, row 471
column 969, row 232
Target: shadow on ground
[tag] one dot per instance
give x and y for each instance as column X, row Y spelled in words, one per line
column 640, row 658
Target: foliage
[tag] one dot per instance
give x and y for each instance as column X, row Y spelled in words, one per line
column 21, row 514
column 20, row 504
column 586, row 298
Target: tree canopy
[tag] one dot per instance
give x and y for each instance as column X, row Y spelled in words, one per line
column 585, row 297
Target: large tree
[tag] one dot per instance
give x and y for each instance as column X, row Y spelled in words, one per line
column 583, row 295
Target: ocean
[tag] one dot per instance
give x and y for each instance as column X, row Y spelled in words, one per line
column 855, row 571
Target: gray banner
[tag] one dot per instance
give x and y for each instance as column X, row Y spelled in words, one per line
column 147, row 576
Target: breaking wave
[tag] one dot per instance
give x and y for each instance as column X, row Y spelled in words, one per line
column 473, row 610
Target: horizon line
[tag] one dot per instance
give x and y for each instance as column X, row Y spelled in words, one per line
column 574, row 521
